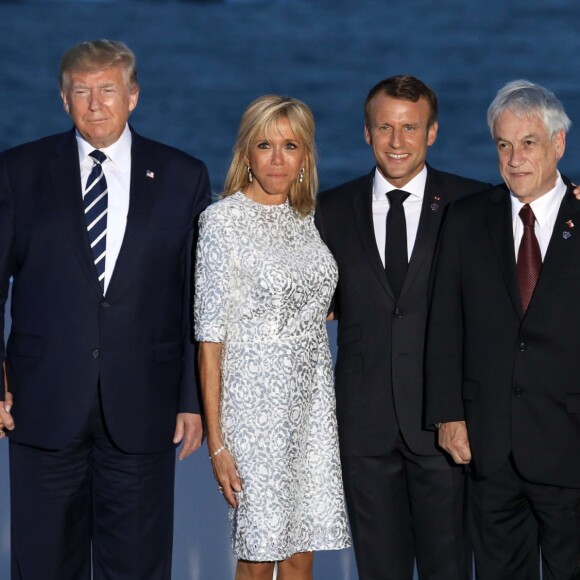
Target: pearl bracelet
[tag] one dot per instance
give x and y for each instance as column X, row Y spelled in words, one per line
column 217, row 452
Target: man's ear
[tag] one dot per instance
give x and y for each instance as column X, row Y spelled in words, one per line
column 133, row 98
column 65, row 102
column 432, row 133
column 559, row 140
column 368, row 136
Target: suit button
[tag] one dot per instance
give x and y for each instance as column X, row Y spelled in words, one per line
column 104, row 304
column 96, row 353
column 397, row 313
column 523, row 346
column 518, row 392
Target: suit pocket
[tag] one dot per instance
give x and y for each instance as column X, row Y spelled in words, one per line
column 25, row 345
column 469, row 390
column 570, row 273
column 573, row 403
column 170, row 223
column 349, row 364
column 348, row 334
column 167, row 351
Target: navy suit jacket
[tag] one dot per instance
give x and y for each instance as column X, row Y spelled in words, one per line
column 379, row 369
column 66, row 337
column 512, row 378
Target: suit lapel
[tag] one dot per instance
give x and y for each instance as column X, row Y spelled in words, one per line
column 65, row 177
column 434, row 201
column 145, row 182
column 363, row 212
column 500, row 228
column 566, row 227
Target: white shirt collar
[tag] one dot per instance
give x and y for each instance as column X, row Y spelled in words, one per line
column 416, row 187
column 546, row 207
column 119, row 152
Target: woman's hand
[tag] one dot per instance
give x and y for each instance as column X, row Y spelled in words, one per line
column 224, row 468
column 226, row 475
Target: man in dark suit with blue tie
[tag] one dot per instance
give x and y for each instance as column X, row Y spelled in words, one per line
column 404, row 498
column 96, row 229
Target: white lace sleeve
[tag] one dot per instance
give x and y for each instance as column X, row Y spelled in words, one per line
column 212, row 277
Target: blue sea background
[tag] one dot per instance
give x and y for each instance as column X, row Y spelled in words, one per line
column 201, row 63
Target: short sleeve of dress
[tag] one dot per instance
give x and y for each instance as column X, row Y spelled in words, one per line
column 212, row 277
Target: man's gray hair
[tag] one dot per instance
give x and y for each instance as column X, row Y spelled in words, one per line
column 525, row 99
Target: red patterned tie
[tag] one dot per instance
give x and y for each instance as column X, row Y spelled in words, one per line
column 529, row 257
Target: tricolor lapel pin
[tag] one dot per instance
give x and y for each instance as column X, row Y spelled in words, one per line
column 435, row 205
column 566, row 233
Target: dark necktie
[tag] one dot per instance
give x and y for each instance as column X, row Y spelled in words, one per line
column 529, row 257
column 396, row 260
column 95, row 201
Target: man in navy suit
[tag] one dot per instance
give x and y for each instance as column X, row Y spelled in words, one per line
column 503, row 342
column 405, row 499
column 99, row 365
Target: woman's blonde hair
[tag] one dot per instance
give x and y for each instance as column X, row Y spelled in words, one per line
column 259, row 120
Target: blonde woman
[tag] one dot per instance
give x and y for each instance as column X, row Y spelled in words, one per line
column 264, row 281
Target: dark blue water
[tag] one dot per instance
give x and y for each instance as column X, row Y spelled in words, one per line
column 201, row 63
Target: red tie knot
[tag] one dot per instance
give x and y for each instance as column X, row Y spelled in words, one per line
column 527, row 215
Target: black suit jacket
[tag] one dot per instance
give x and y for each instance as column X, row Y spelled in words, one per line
column 513, row 378
column 65, row 336
column 379, row 370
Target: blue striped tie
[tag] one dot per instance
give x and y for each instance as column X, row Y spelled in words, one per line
column 95, row 201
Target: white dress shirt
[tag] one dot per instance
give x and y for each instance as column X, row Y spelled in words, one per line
column 545, row 209
column 412, row 206
column 117, row 170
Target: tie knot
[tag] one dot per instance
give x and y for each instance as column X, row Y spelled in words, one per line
column 527, row 215
column 397, row 197
column 98, row 156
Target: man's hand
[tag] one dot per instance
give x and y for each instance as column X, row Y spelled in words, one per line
column 576, row 191
column 6, row 420
column 188, row 428
column 453, row 438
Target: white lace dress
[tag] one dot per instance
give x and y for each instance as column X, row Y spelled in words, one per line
column 264, row 281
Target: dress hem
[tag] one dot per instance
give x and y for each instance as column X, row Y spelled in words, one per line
column 288, row 555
